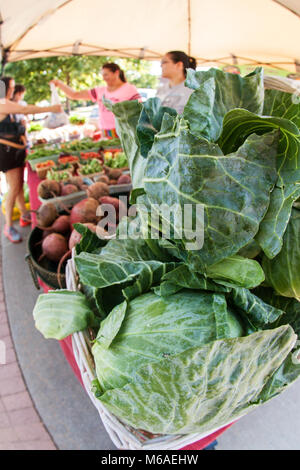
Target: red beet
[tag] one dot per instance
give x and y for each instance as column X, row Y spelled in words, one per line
column 46, row 214
column 116, row 203
column 68, row 189
column 85, row 211
column 97, row 190
column 60, row 225
column 54, row 246
column 124, row 179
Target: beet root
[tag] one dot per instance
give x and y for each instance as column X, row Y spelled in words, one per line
column 54, row 246
column 46, row 214
column 68, row 189
column 85, row 211
column 60, row 225
column 113, row 173
column 124, row 179
column 48, row 189
column 103, row 179
column 97, row 190
column 116, row 203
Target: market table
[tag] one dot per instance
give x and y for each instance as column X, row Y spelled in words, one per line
column 66, row 344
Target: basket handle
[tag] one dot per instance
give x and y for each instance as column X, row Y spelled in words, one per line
column 32, row 271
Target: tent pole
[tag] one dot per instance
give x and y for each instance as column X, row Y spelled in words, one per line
column 189, row 27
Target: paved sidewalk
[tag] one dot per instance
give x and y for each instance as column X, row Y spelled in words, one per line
column 20, row 425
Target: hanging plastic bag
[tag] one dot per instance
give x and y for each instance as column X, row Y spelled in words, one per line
column 55, row 119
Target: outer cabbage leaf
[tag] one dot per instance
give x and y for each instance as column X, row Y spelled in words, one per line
column 259, row 314
column 282, row 104
column 150, row 123
column 128, row 264
column 282, row 272
column 204, row 387
column 155, row 327
column 61, row 313
column 237, row 125
column 274, row 224
column 217, row 93
column 182, row 169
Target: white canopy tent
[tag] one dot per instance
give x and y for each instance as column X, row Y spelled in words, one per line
column 215, row 32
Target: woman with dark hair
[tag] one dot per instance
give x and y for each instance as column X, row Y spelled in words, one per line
column 18, row 98
column 117, row 89
column 173, row 92
column 13, row 153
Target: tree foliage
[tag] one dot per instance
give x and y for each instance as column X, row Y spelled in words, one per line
column 79, row 72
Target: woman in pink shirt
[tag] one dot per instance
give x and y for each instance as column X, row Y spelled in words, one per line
column 117, row 89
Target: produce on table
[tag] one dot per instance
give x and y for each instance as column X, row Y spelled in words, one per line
column 67, row 189
column 89, row 155
column 103, row 179
column 46, row 214
column 116, row 203
column 115, row 160
column 60, row 225
column 97, row 190
column 60, row 172
column 48, row 188
column 124, row 179
column 36, row 153
column 85, row 211
column 90, row 167
column 63, row 159
column 193, row 337
column 113, row 173
column 47, row 164
column 77, row 181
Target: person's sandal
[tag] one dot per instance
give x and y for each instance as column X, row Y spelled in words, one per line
column 25, row 219
column 12, row 234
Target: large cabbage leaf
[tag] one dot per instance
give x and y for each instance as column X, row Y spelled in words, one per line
column 216, row 93
column 238, row 124
column 282, row 272
column 204, row 387
column 150, row 123
column 182, row 169
column 154, row 327
column 128, row 264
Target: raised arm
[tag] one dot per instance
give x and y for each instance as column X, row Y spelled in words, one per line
column 9, row 107
column 70, row 93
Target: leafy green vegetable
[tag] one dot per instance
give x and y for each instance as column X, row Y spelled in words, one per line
column 215, row 94
column 150, row 122
column 282, row 272
column 60, row 313
column 202, row 388
column 154, row 328
column 193, row 336
column 182, row 169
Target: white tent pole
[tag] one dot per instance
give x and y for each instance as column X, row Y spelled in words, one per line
column 189, row 27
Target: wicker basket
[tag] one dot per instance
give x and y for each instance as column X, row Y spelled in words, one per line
column 282, row 84
column 121, row 434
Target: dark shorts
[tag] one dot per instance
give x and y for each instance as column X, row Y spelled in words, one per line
column 11, row 158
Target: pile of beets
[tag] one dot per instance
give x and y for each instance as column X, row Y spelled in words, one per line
column 59, row 235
